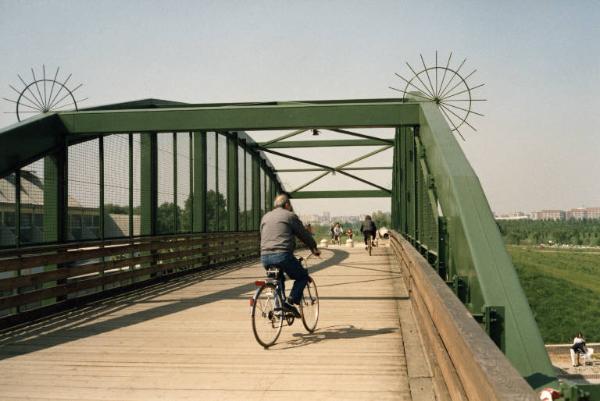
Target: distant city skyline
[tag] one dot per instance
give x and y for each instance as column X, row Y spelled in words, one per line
column 534, row 149
column 579, row 213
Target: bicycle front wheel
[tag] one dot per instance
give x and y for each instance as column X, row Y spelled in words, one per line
column 267, row 315
column 309, row 306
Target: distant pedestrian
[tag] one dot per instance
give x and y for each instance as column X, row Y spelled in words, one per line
column 578, row 349
column 337, row 234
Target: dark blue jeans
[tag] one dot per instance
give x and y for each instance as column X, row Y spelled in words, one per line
column 292, row 268
column 367, row 234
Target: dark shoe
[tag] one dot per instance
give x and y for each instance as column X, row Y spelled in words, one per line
column 288, row 307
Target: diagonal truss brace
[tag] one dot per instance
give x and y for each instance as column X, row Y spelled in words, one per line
column 341, row 166
column 356, row 134
column 331, row 169
column 281, row 138
column 306, row 170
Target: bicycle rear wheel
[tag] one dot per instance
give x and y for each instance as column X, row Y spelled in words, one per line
column 370, row 245
column 267, row 316
column 309, row 306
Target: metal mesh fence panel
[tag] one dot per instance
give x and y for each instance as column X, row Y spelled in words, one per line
column 268, row 193
column 426, row 225
column 165, row 214
column 8, row 227
column 184, row 200
column 33, row 204
column 263, row 192
column 137, row 184
column 211, row 182
column 411, row 192
column 116, row 186
column 8, row 211
column 430, row 222
column 84, row 191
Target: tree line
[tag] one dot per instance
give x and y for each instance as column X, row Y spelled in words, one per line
column 535, row 232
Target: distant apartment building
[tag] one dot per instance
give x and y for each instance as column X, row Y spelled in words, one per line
column 513, row 216
column 549, row 215
column 582, row 213
column 579, row 213
column 593, row 212
column 310, row 218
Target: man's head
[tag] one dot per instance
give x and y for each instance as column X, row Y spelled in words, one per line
column 284, row 202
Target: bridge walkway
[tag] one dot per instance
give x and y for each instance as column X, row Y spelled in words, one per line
column 191, row 339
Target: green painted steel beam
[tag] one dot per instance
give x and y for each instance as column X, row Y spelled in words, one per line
column 101, row 185
column 340, row 167
column 340, row 194
column 281, row 138
column 286, row 116
column 29, row 140
column 256, row 206
column 323, row 167
column 360, row 135
column 303, row 170
column 25, row 142
column 130, row 182
column 477, row 250
column 176, row 222
column 233, row 204
column 55, row 181
column 323, row 143
column 148, row 183
column 200, row 183
column 152, row 103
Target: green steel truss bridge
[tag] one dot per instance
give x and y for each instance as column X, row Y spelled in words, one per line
column 93, row 206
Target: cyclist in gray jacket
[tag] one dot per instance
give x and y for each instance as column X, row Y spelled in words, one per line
column 278, row 229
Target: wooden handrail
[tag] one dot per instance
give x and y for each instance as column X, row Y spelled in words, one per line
column 45, row 255
column 81, row 266
column 484, row 372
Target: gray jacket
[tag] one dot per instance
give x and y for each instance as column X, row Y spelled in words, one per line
column 278, row 229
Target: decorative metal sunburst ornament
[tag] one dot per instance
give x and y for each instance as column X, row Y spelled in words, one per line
column 446, row 87
column 44, row 94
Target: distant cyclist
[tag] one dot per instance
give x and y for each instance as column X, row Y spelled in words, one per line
column 337, row 233
column 368, row 229
column 278, row 229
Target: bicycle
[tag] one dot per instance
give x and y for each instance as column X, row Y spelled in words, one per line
column 371, row 241
column 267, row 314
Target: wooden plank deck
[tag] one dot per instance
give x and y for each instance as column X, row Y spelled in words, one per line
column 191, row 339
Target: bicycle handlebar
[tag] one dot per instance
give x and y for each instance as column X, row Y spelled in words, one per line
column 310, row 255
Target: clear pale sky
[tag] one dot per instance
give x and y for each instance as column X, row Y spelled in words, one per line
column 537, row 146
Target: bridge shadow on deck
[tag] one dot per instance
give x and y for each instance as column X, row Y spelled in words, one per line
column 81, row 323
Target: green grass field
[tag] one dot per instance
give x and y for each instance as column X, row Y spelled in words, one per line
column 563, row 289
